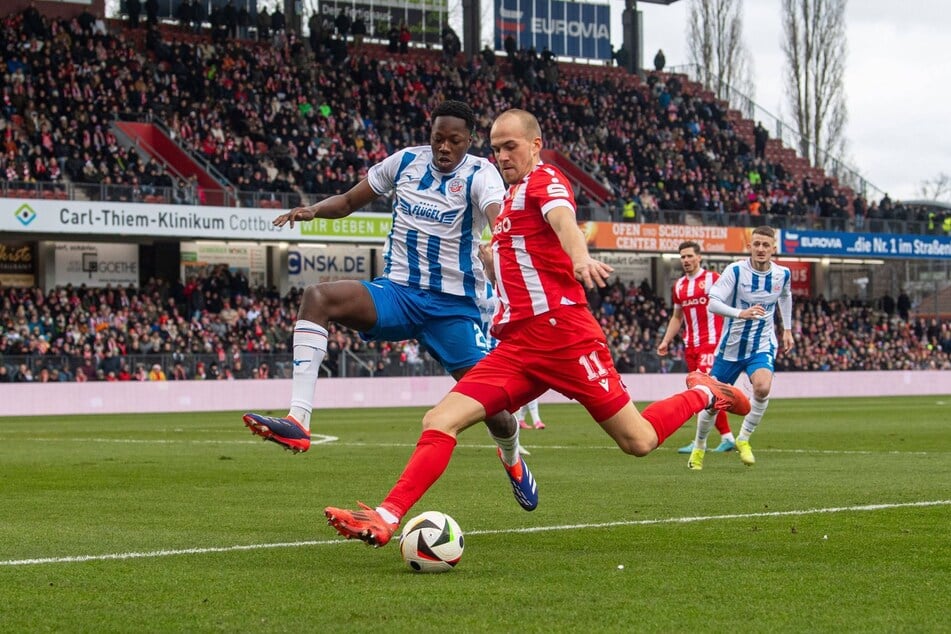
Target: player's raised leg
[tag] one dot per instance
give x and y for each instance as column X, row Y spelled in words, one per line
column 346, row 302
column 640, row 433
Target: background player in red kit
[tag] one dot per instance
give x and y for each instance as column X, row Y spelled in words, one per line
column 547, row 337
column 701, row 327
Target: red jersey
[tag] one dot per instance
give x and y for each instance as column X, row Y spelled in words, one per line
column 533, row 273
column 690, row 295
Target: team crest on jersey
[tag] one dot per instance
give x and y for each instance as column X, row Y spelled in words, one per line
column 456, row 185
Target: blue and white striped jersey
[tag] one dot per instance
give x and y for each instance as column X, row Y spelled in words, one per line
column 438, row 220
column 740, row 287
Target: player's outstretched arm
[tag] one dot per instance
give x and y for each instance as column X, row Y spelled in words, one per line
column 588, row 271
column 488, row 263
column 718, row 304
column 673, row 327
column 788, row 340
column 719, row 307
column 337, row 206
column 782, row 332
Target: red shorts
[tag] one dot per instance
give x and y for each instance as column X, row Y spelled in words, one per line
column 563, row 350
column 700, row 358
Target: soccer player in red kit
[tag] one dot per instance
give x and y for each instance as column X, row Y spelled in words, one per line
column 547, row 337
column 701, row 327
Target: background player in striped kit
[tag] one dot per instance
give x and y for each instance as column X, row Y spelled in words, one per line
column 701, row 327
column 444, row 198
column 529, row 408
column 487, row 308
column 748, row 294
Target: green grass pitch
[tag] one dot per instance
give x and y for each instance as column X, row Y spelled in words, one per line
column 186, row 523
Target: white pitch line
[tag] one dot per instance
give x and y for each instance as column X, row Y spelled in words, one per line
column 707, row 518
column 165, row 553
column 533, row 529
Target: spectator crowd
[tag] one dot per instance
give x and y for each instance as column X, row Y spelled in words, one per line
column 831, row 335
column 215, row 327
column 285, row 115
column 210, row 327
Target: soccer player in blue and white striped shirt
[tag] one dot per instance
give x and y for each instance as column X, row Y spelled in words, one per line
column 443, row 199
column 748, row 294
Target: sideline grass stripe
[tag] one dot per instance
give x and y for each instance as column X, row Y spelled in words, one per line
column 326, row 440
column 535, row 529
column 316, row 439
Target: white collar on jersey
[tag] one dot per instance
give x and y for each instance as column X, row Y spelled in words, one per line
column 749, row 262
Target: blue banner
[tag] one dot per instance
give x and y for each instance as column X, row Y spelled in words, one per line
column 568, row 29
column 861, row 245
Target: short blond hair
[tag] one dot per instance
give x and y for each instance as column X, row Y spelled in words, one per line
column 529, row 122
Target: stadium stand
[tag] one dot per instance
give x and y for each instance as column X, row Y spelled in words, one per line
column 281, row 121
column 217, row 328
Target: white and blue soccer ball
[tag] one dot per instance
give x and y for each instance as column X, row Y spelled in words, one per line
column 431, row 542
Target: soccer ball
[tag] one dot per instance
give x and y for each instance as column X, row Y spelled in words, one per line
column 431, row 542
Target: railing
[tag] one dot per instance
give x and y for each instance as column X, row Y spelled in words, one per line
column 222, row 196
column 790, row 137
column 140, row 142
column 67, row 190
column 347, row 364
column 227, row 187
